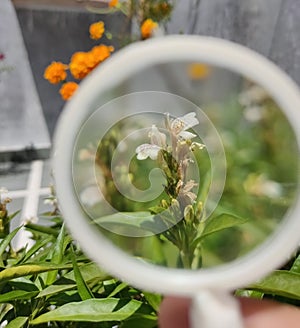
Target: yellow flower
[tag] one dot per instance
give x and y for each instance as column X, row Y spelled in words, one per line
column 81, row 64
column 100, row 53
column 96, row 30
column 67, row 90
column 198, row 71
column 113, row 3
column 147, row 28
column 55, row 72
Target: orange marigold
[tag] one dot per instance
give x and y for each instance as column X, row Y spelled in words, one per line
column 55, row 72
column 81, row 64
column 96, row 30
column 147, row 28
column 101, row 52
column 113, row 3
column 67, row 90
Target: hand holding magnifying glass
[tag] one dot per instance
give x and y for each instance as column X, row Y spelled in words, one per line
column 196, row 176
column 174, row 313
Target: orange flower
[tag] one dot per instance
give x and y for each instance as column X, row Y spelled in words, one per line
column 100, row 53
column 67, row 90
column 55, row 72
column 147, row 28
column 113, row 3
column 96, row 30
column 198, row 71
column 81, row 64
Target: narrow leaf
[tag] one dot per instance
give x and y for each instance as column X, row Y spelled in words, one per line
column 281, row 283
column 57, row 256
column 82, row 287
column 34, row 249
column 117, row 290
column 41, row 229
column 92, row 310
column 6, row 241
column 296, row 265
column 140, row 320
column 18, row 322
column 29, row 269
column 153, row 299
column 90, row 272
column 17, row 295
column 55, row 289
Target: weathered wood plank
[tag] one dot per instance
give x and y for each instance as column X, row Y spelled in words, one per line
column 271, row 27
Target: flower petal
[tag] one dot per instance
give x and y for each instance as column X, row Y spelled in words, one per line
column 187, row 135
column 157, row 138
column 146, row 150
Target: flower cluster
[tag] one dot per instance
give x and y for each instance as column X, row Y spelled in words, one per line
column 81, row 63
column 148, row 15
column 181, row 212
column 175, row 158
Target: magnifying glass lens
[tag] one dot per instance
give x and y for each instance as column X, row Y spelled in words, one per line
column 186, row 165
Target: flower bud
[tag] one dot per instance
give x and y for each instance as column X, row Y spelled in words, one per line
column 189, row 213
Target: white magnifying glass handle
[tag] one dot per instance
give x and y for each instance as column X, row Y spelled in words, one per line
column 212, row 309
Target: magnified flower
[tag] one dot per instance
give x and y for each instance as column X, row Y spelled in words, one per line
column 67, row 90
column 147, row 28
column 55, row 72
column 96, row 30
column 157, row 138
column 2, row 56
column 186, row 190
column 178, row 126
column 147, row 150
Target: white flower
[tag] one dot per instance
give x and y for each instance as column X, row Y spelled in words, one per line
column 157, row 138
column 147, row 150
column 179, row 126
column 187, row 190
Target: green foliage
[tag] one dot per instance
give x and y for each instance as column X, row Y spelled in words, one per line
column 53, row 284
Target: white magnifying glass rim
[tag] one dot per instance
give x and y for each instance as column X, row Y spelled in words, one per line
column 123, row 64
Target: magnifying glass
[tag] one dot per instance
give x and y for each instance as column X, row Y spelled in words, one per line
column 177, row 169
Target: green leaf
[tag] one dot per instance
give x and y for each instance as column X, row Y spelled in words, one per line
column 23, row 284
column 138, row 321
column 296, row 265
column 13, row 215
column 221, row 222
column 153, row 299
column 82, row 287
column 18, row 322
column 281, row 283
column 93, row 310
column 37, row 246
column 41, row 229
column 17, row 295
column 56, row 289
column 6, row 241
column 57, row 256
column 118, row 289
column 135, row 221
column 29, row 269
column 90, row 272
